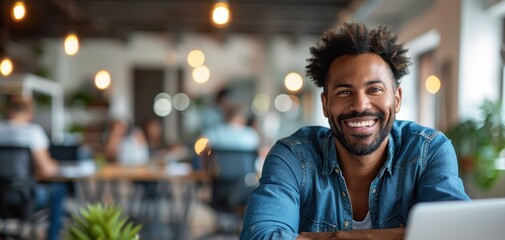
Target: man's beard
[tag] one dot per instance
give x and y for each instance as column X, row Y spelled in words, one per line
column 361, row 149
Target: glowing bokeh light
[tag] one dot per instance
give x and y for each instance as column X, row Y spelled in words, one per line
column 18, row 11
column 102, row 79
column 71, row 44
column 181, row 101
column 221, row 14
column 261, row 104
column 283, row 103
column 196, row 58
column 201, row 74
column 432, row 84
column 6, row 66
column 162, row 104
column 200, row 145
column 293, row 82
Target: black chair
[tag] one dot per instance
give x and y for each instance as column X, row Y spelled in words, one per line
column 234, row 178
column 16, row 188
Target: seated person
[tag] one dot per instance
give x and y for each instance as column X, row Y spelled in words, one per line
column 234, row 133
column 159, row 149
column 368, row 169
column 125, row 144
column 18, row 131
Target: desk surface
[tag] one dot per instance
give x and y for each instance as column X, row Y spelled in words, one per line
column 133, row 173
column 375, row 234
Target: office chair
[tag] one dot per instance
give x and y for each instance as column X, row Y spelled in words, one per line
column 16, row 188
column 234, row 178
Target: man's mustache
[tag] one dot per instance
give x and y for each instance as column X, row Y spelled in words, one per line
column 355, row 114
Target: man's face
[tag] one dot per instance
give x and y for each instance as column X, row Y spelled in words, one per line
column 360, row 102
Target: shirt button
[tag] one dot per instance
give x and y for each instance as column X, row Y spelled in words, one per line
column 374, row 190
column 346, row 224
column 343, row 194
column 337, row 171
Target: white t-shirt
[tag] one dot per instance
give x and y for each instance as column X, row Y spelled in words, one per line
column 365, row 224
column 132, row 152
column 23, row 135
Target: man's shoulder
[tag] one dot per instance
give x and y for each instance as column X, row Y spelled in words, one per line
column 308, row 136
column 407, row 129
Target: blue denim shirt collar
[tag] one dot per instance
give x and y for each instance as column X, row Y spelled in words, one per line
column 330, row 158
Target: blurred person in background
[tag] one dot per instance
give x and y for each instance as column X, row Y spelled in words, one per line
column 368, row 169
column 233, row 133
column 18, row 130
column 159, row 149
column 125, row 144
column 214, row 113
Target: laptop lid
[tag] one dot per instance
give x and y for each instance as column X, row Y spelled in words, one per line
column 480, row 219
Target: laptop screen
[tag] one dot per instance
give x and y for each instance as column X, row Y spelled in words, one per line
column 480, row 219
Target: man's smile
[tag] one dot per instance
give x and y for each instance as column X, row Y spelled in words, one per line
column 361, row 125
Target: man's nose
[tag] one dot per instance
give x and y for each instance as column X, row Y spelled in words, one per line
column 360, row 102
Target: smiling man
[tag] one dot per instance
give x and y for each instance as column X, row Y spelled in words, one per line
column 368, row 170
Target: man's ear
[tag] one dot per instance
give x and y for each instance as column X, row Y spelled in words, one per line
column 398, row 99
column 323, row 101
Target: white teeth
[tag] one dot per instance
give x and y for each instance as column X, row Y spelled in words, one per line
column 361, row 124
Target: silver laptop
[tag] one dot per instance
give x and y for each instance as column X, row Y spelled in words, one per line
column 477, row 220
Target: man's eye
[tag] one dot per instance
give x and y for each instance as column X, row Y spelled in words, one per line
column 345, row 92
column 374, row 90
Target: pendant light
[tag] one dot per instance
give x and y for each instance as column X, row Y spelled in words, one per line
column 220, row 15
column 18, row 11
column 71, row 44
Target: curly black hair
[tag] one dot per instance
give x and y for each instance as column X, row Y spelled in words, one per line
column 354, row 39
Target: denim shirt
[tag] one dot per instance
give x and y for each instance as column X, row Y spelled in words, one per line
column 302, row 188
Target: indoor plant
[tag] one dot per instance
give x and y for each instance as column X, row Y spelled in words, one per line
column 97, row 221
column 479, row 142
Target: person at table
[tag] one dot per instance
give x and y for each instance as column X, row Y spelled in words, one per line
column 367, row 170
column 125, row 144
column 233, row 133
column 159, row 149
column 18, row 130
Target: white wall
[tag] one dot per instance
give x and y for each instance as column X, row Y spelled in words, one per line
column 470, row 39
column 480, row 57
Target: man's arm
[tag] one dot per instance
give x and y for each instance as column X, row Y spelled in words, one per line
column 440, row 180
column 44, row 164
column 273, row 209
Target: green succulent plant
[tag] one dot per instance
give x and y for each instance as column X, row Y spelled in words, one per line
column 101, row 222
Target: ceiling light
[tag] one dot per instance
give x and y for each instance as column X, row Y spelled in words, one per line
column 6, row 66
column 221, row 14
column 18, row 11
column 71, row 44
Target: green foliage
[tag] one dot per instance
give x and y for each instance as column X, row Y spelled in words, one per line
column 481, row 140
column 99, row 222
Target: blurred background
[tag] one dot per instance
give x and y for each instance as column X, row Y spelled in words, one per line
column 169, row 59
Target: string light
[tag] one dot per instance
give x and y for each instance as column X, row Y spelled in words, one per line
column 18, row 11
column 71, row 44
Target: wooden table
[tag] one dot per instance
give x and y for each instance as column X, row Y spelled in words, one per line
column 113, row 171
column 373, row 234
column 182, row 186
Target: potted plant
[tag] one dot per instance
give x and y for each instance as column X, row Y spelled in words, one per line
column 97, row 221
column 479, row 142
